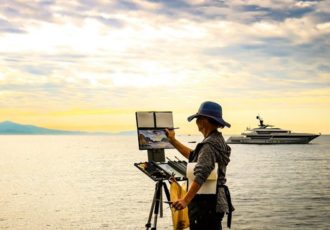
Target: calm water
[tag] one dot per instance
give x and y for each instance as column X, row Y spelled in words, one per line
column 89, row 182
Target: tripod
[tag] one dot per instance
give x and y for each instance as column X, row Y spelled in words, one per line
column 157, row 203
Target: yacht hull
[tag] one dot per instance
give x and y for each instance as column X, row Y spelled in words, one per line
column 271, row 140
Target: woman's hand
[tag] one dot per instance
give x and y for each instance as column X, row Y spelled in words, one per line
column 179, row 204
column 184, row 150
column 170, row 134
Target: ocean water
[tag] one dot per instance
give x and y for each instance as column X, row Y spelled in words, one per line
column 90, row 182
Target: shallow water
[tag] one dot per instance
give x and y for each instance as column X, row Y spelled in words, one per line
column 90, row 182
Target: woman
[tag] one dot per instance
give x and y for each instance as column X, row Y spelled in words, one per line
column 206, row 210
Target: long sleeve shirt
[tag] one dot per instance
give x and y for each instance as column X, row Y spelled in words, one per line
column 210, row 151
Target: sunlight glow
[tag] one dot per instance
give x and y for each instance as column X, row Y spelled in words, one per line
column 89, row 65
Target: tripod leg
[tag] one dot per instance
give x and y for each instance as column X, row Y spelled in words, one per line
column 148, row 224
column 157, row 204
column 161, row 201
column 167, row 192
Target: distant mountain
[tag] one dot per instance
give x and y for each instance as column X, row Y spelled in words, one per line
column 126, row 133
column 10, row 128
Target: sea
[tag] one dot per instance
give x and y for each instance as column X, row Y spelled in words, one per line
column 90, row 182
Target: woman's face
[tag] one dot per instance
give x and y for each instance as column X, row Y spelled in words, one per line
column 200, row 123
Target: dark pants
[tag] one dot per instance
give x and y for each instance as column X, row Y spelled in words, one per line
column 202, row 213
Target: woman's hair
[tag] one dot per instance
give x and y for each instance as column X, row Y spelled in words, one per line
column 213, row 122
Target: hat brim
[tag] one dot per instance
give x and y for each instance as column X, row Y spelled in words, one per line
column 220, row 121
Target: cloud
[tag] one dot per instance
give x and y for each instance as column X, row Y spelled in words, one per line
column 7, row 27
column 138, row 54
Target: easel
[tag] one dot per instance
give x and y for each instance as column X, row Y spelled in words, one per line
column 154, row 169
column 157, row 202
column 151, row 137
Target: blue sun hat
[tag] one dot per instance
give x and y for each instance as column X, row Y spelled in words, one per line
column 211, row 110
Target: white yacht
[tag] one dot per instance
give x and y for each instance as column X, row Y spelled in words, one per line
column 267, row 134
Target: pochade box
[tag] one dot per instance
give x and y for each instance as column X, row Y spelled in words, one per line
column 163, row 170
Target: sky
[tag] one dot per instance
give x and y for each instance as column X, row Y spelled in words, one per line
column 91, row 64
